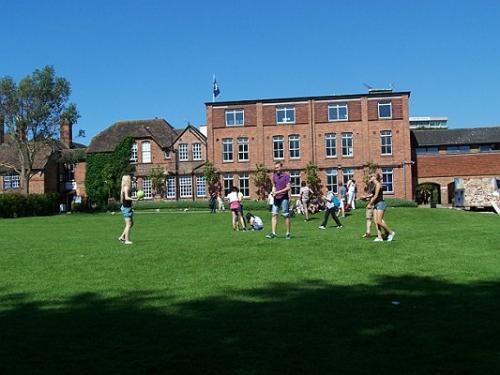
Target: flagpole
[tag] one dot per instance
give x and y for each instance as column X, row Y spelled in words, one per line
column 213, row 92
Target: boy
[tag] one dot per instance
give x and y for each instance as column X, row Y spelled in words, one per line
column 332, row 205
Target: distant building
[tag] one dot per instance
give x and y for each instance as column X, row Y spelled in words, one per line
column 427, row 122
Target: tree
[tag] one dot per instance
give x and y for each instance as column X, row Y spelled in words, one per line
column 158, row 180
column 33, row 111
column 211, row 177
column 262, row 181
column 370, row 167
column 312, row 177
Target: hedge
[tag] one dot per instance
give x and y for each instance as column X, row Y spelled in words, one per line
column 19, row 205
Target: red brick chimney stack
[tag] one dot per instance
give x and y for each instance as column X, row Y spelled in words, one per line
column 66, row 133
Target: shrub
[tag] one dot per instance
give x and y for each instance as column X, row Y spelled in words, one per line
column 18, row 205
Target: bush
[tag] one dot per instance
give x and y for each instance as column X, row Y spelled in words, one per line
column 248, row 205
column 19, row 205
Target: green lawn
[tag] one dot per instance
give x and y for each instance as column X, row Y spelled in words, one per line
column 191, row 296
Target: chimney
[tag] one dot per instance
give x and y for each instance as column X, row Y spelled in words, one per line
column 66, row 133
column 2, row 130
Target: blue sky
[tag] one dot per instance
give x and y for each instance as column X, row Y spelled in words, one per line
column 143, row 59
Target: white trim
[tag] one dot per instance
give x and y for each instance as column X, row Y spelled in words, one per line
column 338, row 100
column 378, row 111
column 277, row 104
column 386, row 98
column 234, row 110
column 338, row 107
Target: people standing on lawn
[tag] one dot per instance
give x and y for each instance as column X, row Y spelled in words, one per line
column 370, row 189
column 332, row 205
column 378, row 204
column 234, row 206
column 280, row 191
column 305, row 197
column 220, row 202
column 212, row 203
column 343, row 198
column 126, row 209
column 351, row 193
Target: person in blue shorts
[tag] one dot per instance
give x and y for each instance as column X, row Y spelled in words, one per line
column 126, row 208
column 280, row 191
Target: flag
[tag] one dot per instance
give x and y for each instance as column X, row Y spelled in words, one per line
column 215, row 88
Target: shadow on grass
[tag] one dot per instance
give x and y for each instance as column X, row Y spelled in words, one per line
column 399, row 325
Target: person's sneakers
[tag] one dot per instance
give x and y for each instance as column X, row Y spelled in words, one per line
column 321, row 227
column 288, row 236
column 128, row 242
column 366, row 235
column 390, row 237
column 121, row 239
column 378, row 240
column 271, row 236
column 340, row 226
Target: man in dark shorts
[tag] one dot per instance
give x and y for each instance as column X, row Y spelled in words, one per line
column 281, row 188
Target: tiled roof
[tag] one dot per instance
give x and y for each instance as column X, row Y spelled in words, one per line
column 158, row 129
column 465, row 136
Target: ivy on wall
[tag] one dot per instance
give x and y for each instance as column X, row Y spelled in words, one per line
column 105, row 171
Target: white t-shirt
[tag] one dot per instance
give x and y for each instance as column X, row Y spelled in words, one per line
column 233, row 196
column 257, row 223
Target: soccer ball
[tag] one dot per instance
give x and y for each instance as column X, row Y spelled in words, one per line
column 140, row 194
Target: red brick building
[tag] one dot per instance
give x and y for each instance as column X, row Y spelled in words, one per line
column 58, row 168
column 341, row 134
column 442, row 155
column 179, row 153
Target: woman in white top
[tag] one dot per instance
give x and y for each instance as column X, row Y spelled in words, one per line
column 351, row 193
column 235, row 207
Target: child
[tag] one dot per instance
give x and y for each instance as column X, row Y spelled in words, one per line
column 332, row 205
column 255, row 222
column 234, row 205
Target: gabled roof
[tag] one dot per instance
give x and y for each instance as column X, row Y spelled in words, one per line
column 465, row 136
column 196, row 131
column 160, row 130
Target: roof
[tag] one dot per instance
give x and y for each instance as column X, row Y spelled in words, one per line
column 158, row 129
column 196, row 131
column 464, row 136
column 384, row 94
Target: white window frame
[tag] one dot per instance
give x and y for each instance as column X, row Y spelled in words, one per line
column 227, row 150
column 336, row 108
column 146, row 152
column 196, row 151
column 227, row 182
column 331, row 137
column 388, row 179
column 289, row 114
column 133, row 153
column 232, row 113
column 170, row 188
column 147, row 187
column 277, row 139
column 386, row 142
column 347, row 173
column 11, row 181
column 183, row 152
column 243, row 149
column 244, row 184
column 295, row 183
column 185, row 186
column 347, row 151
column 201, row 190
column 294, row 146
column 332, row 180
column 383, row 104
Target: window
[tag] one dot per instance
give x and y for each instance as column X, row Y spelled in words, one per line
column 337, row 112
column 227, row 149
column 235, row 117
column 331, row 145
column 196, row 148
column 387, row 180
column 347, row 149
column 278, row 147
column 146, row 152
column 69, row 170
column 200, row 186
column 386, row 142
column 295, row 182
column 243, row 149
column 285, row 115
column 490, row 147
column 384, row 110
column 245, row 184
column 166, row 154
column 147, row 188
column 183, row 152
column 185, row 187
column 294, row 146
column 133, row 153
column 170, row 187
column 228, row 183
column 11, row 181
column 347, row 174
column 457, row 149
column 331, row 180
column 427, row 150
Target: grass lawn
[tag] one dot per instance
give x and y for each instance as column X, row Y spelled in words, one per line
column 191, row 296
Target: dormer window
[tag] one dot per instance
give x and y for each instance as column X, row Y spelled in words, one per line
column 285, row 115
